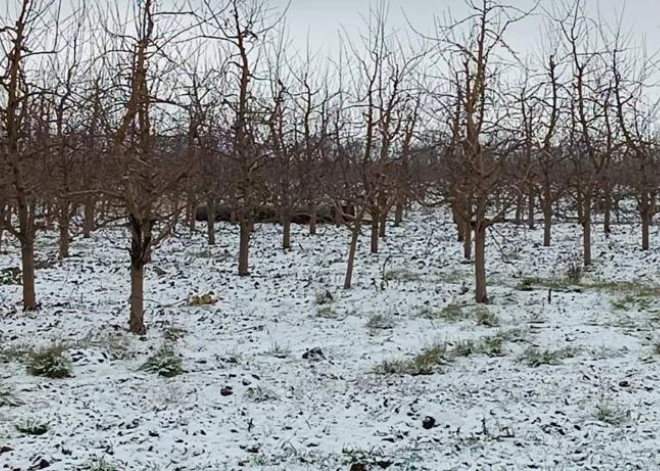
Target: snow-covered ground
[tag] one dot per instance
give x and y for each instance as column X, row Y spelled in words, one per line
column 595, row 406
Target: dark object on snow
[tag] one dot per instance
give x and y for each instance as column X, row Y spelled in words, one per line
column 222, row 213
column 358, row 467
column 40, row 464
column 325, row 214
column 227, row 391
column 428, row 423
column 314, row 354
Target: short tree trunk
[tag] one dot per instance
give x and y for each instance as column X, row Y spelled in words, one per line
column 64, row 223
column 520, row 205
column 245, row 227
column 458, row 221
column 286, row 232
column 646, row 216
column 547, row 221
column 312, row 219
column 531, row 208
column 375, row 220
column 481, row 293
column 382, row 224
column 191, row 211
column 586, row 224
column 88, row 217
column 467, row 241
column 352, row 250
column 28, row 272
column 136, row 321
column 607, row 213
column 49, row 216
column 398, row 212
column 580, row 207
column 210, row 220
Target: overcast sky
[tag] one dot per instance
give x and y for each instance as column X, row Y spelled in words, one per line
column 321, row 20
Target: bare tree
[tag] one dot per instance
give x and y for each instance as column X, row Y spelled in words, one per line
column 480, row 126
column 21, row 43
column 137, row 151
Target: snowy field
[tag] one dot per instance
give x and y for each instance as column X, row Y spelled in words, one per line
column 286, row 371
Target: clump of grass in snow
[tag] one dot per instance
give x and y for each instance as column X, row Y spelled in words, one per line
column 452, row 312
column 115, row 344
column 31, row 427
column 324, row 297
column 629, row 301
column 164, row 363
column 258, row 394
column 534, row 357
column 492, row 346
column 608, row 414
column 515, row 335
column 428, row 360
column 15, row 353
column 401, row 274
column 50, row 362
column 485, row 317
column 326, row 312
column 656, row 348
column 8, row 398
column 277, row 351
column 172, row 334
column 101, row 465
column 380, row 322
column 557, row 284
column 425, row 362
column 449, row 313
column 464, row 348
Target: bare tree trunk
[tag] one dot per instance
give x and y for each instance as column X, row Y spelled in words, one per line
column 245, row 225
column 64, row 221
column 191, row 211
column 28, row 271
column 520, row 204
column 49, row 219
column 210, row 220
column 375, row 220
column 352, row 250
column 312, row 218
column 4, row 214
column 531, row 208
column 382, row 224
column 460, row 225
column 136, row 322
column 467, row 241
column 398, row 212
column 580, row 207
column 286, row 231
column 26, row 230
column 547, row 217
column 467, row 228
column 607, row 212
column 646, row 216
column 480, row 261
column 140, row 255
column 88, row 217
column 587, row 228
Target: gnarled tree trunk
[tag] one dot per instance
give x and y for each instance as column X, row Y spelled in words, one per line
column 481, row 292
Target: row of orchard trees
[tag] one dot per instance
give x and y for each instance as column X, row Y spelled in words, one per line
column 166, row 107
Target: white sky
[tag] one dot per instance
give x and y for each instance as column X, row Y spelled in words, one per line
column 321, row 20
